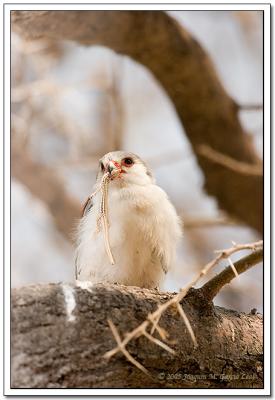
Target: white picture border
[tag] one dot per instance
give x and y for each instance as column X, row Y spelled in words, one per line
column 6, row 8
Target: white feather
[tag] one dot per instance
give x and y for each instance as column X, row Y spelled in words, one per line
column 144, row 231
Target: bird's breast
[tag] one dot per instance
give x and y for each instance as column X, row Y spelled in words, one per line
column 129, row 214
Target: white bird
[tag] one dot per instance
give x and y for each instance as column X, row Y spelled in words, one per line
column 144, row 228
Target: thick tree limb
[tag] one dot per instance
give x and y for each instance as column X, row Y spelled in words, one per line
column 208, row 114
column 60, row 334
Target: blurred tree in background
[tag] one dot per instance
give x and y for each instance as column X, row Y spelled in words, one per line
column 183, row 90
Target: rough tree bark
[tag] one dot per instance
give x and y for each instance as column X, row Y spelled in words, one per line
column 208, row 114
column 60, row 334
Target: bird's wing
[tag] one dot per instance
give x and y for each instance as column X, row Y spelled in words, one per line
column 84, row 211
column 87, row 206
column 156, row 256
column 76, row 269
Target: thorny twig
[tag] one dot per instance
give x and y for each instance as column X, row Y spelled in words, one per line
column 214, row 285
column 153, row 318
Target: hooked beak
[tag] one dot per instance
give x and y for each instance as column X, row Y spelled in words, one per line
column 113, row 168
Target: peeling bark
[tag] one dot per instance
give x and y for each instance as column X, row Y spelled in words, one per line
column 178, row 62
column 60, row 334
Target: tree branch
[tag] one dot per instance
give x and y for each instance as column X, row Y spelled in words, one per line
column 214, row 285
column 250, row 107
column 154, row 318
column 46, row 186
column 230, row 163
column 209, row 222
column 59, row 334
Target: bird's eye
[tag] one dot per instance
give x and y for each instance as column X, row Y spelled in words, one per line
column 128, row 161
column 102, row 166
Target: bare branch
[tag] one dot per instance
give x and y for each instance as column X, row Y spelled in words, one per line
column 233, row 267
column 187, row 323
column 209, row 222
column 64, row 209
column 229, row 162
column 212, row 287
column 153, row 318
column 123, row 349
column 250, row 107
column 158, row 342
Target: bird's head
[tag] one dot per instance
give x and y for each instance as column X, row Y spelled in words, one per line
column 125, row 168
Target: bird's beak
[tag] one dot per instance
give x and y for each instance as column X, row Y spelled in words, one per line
column 113, row 168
